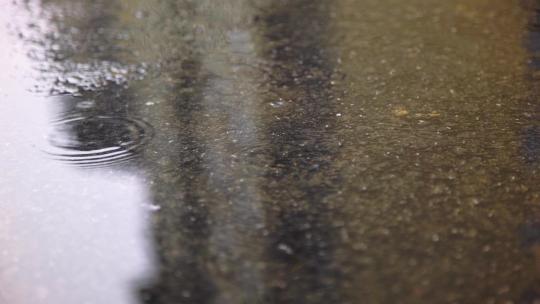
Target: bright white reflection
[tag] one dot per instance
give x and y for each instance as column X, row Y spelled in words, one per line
column 67, row 235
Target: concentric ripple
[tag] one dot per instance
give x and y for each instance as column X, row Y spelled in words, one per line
column 97, row 141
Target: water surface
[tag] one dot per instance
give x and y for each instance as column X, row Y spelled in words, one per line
column 244, row 151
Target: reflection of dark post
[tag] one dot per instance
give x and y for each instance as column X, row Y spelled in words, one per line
column 531, row 134
column 180, row 228
column 530, row 231
column 302, row 149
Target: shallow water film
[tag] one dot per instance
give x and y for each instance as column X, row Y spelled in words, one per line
column 269, row 151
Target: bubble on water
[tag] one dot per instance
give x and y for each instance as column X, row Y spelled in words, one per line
column 152, row 207
column 85, row 104
column 97, row 141
column 285, row 248
column 277, row 104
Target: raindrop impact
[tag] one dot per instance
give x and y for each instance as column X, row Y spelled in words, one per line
column 97, row 141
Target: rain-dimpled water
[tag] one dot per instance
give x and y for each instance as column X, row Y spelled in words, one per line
column 269, row 151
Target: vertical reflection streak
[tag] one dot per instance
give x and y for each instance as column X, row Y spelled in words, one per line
column 302, row 146
column 175, row 164
column 530, row 147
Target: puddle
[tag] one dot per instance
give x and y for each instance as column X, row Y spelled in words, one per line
column 375, row 151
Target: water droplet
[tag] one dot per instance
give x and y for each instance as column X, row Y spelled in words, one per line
column 400, row 111
column 152, row 207
column 277, row 104
column 85, row 104
column 285, row 248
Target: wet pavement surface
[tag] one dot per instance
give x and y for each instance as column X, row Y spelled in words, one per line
column 269, row 151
